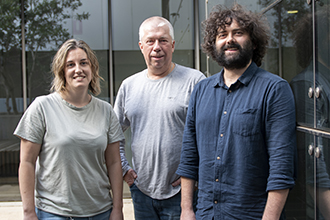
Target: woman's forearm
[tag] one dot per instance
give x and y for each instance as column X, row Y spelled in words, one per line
column 26, row 175
column 115, row 174
column 26, row 185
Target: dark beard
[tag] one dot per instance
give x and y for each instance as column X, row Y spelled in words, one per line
column 237, row 61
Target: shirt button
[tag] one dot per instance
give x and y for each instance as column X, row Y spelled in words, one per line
column 225, row 112
column 216, row 180
column 215, row 202
column 221, row 135
column 218, row 158
column 229, row 91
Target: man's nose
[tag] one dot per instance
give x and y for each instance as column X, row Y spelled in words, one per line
column 157, row 46
column 230, row 38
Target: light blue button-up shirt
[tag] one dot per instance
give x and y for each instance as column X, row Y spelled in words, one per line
column 239, row 143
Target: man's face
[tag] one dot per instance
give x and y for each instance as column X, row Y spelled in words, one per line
column 157, row 47
column 234, row 49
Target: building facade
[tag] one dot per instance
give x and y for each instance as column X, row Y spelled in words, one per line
column 299, row 51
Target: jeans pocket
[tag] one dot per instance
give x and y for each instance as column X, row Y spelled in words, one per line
column 42, row 215
column 131, row 186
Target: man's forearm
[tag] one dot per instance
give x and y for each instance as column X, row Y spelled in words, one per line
column 275, row 204
column 187, row 193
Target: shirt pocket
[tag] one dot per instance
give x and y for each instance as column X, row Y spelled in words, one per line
column 246, row 122
column 176, row 103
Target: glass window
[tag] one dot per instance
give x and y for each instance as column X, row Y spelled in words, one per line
column 322, row 97
column 127, row 56
column 125, row 33
column 82, row 20
column 11, row 101
column 208, row 65
column 47, row 25
column 322, row 65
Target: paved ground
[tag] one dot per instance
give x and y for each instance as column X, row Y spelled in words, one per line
column 11, row 207
column 13, row 210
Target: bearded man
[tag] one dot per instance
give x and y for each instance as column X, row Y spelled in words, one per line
column 239, row 139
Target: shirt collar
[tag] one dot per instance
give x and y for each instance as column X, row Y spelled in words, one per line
column 218, row 80
column 245, row 78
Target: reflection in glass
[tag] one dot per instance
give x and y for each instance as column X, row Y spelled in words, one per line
column 323, row 99
column 47, row 25
column 313, row 179
column 127, row 56
column 276, row 16
column 322, row 155
column 11, row 102
column 303, row 84
column 44, row 33
column 310, row 97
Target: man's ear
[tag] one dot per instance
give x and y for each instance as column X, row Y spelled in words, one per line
column 140, row 45
column 254, row 45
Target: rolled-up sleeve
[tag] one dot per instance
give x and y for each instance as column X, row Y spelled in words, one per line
column 189, row 162
column 281, row 137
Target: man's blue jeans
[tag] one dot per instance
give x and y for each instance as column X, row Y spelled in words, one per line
column 146, row 208
column 42, row 215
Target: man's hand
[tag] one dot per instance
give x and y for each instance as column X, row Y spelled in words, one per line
column 187, row 215
column 130, row 177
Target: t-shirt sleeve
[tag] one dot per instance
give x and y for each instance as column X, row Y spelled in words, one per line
column 32, row 125
column 115, row 132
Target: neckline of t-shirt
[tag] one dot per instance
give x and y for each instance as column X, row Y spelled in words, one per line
column 160, row 79
column 73, row 106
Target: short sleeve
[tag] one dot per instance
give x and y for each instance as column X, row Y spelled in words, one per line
column 115, row 132
column 32, row 125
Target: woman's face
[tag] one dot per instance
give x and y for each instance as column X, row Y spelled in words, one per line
column 77, row 71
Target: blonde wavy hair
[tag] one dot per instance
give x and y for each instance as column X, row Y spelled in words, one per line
column 58, row 66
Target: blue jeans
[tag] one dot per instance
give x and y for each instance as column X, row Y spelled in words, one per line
column 146, row 208
column 42, row 215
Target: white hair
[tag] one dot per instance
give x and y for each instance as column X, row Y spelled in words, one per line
column 157, row 22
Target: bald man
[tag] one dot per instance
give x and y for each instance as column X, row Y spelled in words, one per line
column 154, row 103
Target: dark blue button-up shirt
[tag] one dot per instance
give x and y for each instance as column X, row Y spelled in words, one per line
column 239, row 143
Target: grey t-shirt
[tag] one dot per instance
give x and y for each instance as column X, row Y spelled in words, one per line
column 155, row 110
column 71, row 175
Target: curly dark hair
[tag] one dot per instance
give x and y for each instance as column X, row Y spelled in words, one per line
column 303, row 36
column 303, row 40
column 255, row 24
